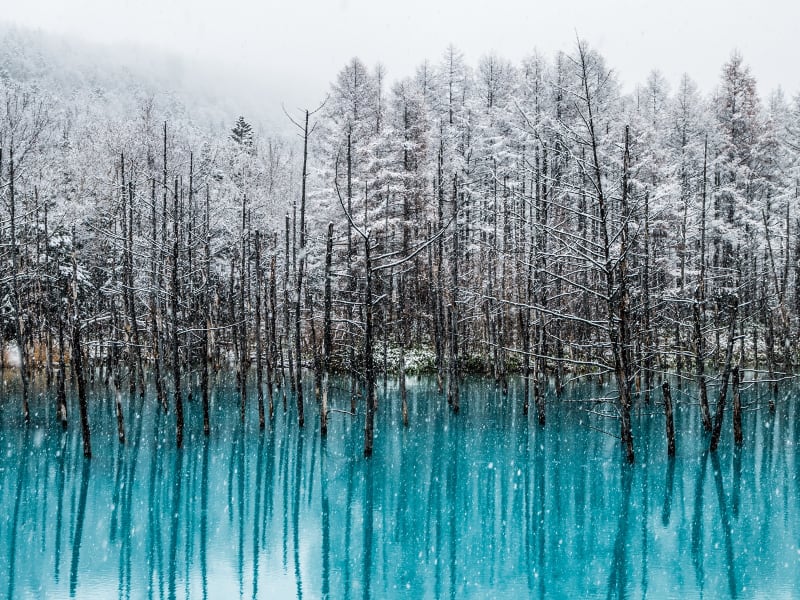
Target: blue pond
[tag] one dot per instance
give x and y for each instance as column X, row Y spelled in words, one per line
column 484, row 504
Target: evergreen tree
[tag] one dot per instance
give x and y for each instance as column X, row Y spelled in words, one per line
column 242, row 132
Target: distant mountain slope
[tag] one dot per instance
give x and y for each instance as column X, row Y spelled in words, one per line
column 119, row 76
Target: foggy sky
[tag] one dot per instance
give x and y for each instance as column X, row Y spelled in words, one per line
column 290, row 51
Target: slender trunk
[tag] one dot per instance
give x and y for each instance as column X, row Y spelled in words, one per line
column 286, row 318
column 272, row 364
column 699, row 307
column 623, row 360
column 670, row 420
column 62, row 374
column 453, row 387
column 351, row 278
column 176, row 365
column 647, row 347
column 300, row 271
column 737, row 407
column 401, row 370
column 326, row 335
column 525, row 329
column 77, row 358
column 723, row 390
column 369, row 369
column 132, row 298
column 207, row 309
column 18, row 322
column 315, row 347
column 540, row 265
column 244, row 350
column 259, row 366
column 120, row 419
column 126, row 278
column 155, row 285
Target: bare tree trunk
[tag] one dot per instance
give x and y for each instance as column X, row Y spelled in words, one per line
column 326, row 335
column 120, row 419
column 623, row 338
column 699, row 307
column 207, row 310
column 174, row 292
column 401, row 374
column 769, row 346
column 453, row 375
column 244, row 350
column 300, row 273
column 351, row 278
column 647, row 347
column 540, row 266
column 77, row 357
column 286, row 319
column 126, row 276
column 525, row 322
column 18, row 323
column 62, row 373
column 315, row 346
column 437, row 290
column 369, row 368
column 670, row 420
column 155, row 284
column 259, row 368
column 723, row 390
column 132, row 298
column 272, row 363
column 737, row 408
column 615, row 276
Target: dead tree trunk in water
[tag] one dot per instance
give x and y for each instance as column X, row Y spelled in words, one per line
column 132, row 298
column 61, row 379
column 120, row 419
column 615, row 275
column 648, row 348
column 401, row 371
column 176, row 365
column 326, row 335
column 286, row 318
column 737, row 408
column 155, row 282
column 623, row 338
column 77, row 357
column 453, row 376
column 300, row 271
column 437, row 290
column 351, row 278
column 272, row 363
column 699, row 307
column 402, row 315
column 369, row 368
column 207, row 310
column 244, row 350
column 540, row 265
column 779, row 283
column 18, row 325
column 723, row 390
column 525, row 331
column 670, row 419
column 259, row 365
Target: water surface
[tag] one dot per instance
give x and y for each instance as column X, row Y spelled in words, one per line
column 480, row 505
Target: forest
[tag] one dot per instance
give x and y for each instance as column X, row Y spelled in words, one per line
column 526, row 220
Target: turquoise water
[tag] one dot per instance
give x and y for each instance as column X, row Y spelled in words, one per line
column 479, row 505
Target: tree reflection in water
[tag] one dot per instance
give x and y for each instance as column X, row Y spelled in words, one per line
column 457, row 506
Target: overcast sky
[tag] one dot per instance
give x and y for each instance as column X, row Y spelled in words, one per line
column 295, row 48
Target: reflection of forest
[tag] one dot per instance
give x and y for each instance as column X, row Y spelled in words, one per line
column 451, row 507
